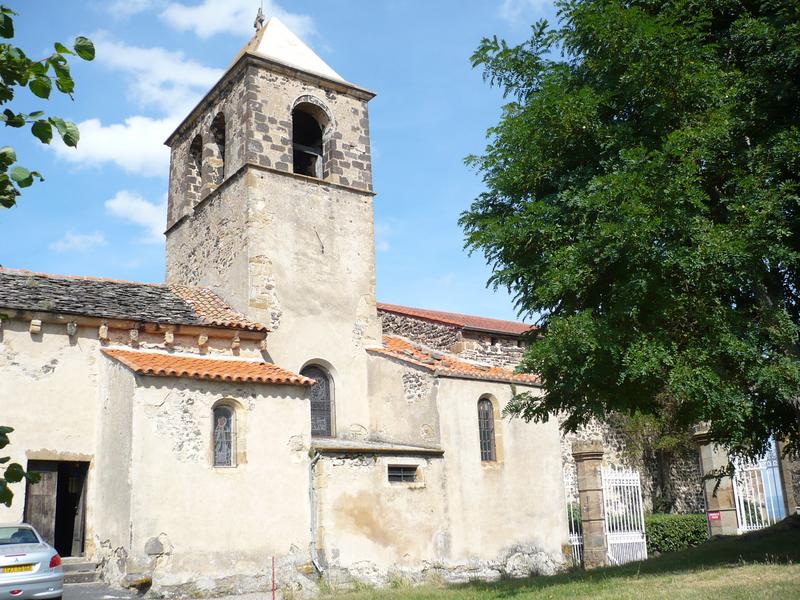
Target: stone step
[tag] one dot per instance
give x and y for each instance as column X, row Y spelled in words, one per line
column 79, row 570
column 80, row 577
column 77, row 563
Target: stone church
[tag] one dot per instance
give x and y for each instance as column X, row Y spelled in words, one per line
column 261, row 404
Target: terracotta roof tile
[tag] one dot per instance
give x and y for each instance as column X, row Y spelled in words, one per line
column 459, row 320
column 159, row 364
column 214, row 310
column 447, row 365
column 113, row 299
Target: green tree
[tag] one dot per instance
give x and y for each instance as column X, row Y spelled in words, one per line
column 17, row 71
column 643, row 197
column 11, row 472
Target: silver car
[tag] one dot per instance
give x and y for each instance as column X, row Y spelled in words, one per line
column 29, row 568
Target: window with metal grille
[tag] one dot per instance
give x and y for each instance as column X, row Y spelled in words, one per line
column 321, row 401
column 224, row 437
column 402, row 473
column 486, row 429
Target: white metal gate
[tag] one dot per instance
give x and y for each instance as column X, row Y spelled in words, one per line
column 758, row 492
column 574, row 516
column 624, row 516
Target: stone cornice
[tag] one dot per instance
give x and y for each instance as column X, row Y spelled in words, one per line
column 251, row 165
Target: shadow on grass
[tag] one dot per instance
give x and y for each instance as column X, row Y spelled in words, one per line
column 779, row 544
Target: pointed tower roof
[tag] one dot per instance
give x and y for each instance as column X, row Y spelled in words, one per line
column 276, row 42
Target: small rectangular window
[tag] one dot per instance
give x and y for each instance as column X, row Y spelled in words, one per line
column 402, row 473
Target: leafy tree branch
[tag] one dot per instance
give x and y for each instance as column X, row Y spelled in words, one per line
column 17, row 71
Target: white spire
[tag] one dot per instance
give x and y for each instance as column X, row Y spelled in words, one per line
column 276, row 42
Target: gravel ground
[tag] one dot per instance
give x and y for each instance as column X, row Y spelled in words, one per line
column 99, row 591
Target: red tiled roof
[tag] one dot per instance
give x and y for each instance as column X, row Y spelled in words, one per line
column 159, row 364
column 459, row 320
column 214, row 310
column 447, row 365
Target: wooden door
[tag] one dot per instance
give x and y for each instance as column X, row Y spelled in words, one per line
column 77, row 485
column 40, row 499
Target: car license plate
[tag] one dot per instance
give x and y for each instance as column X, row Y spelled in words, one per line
column 18, row 569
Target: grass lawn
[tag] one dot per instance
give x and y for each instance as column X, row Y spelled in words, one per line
column 763, row 564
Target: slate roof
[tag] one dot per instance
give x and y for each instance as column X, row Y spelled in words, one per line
column 446, row 365
column 125, row 300
column 458, row 320
column 159, row 364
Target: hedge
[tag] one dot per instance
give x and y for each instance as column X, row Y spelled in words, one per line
column 670, row 532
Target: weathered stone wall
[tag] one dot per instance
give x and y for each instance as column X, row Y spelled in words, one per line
column 505, row 351
column 271, row 97
column 254, row 510
column 403, row 407
column 187, row 186
column 498, row 350
column 437, row 336
column 685, row 475
column 68, row 401
column 517, row 499
column 207, row 248
column 448, row 524
column 288, row 250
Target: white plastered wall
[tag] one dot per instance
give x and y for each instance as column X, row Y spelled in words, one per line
column 218, row 521
column 518, row 499
column 48, row 394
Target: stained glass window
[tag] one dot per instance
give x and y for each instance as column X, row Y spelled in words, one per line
column 486, row 429
column 224, row 436
column 321, row 419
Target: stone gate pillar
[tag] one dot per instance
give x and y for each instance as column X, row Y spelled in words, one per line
column 720, row 503
column 588, row 460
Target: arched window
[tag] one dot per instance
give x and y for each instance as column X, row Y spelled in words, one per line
column 486, row 429
column 321, row 401
column 308, row 126
column 224, row 436
column 194, row 169
column 217, row 163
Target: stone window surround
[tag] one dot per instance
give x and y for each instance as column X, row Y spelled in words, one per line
column 498, row 433
column 406, row 461
column 330, row 372
column 326, row 122
column 237, row 445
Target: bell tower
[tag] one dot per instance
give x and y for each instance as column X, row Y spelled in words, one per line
column 271, row 204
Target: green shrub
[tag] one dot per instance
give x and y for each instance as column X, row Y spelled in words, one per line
column 669, row 532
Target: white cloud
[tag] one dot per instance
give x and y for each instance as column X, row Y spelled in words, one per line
column 160, row 78
column 131, row 207
column 157, row 77
column 78, row 242
column 514, row 10
column 236, row 17
column 136, row 145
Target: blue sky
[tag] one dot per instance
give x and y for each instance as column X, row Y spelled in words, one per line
column 101, row 209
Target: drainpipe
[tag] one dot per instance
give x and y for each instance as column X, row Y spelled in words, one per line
column 312, row 496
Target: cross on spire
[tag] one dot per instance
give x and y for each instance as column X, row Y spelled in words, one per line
column 259, row 22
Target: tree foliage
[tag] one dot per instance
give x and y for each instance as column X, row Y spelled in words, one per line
column 11, row 472
column 643, row 200
column 17, row 71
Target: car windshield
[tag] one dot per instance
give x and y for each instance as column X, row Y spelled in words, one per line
column 17, row 535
